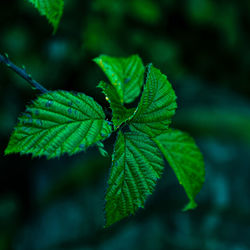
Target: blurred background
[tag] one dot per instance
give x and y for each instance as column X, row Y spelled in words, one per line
column 203, row 48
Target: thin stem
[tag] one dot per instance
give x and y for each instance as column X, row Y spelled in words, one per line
column 22, row 72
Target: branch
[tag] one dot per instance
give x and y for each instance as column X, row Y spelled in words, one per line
column 22, row 72
column 34, row 84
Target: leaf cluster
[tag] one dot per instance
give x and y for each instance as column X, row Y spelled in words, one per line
column 60, row 122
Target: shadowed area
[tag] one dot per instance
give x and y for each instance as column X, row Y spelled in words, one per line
column 203, row 48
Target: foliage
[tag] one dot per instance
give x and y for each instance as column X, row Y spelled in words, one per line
column 157, row 105
column 59, row 122
column 184, row 157
column 125, row 74
column 52, row 9
column 136, row 166
column 120, row 114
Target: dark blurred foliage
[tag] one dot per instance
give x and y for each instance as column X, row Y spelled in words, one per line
column 203, row 47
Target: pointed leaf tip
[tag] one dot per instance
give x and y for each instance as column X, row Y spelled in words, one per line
column 157, row 105
column 137, row 164
column 52, row 9
column 185, row 159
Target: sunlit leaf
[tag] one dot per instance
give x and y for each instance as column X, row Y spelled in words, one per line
column 120, row 114
column 125, row 74
column 59, row 122
column 186, row 160
column 52, row 9
column 136, row 165
column 157, row 105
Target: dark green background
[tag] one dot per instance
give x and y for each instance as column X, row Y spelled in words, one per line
column 203, row 47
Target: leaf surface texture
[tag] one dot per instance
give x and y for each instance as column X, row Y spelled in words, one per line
column 157, row 105
column 186, row 160
column 120, row 114
column 52, row 9
column 136, row 165
column 125, row 74
column 59, row 122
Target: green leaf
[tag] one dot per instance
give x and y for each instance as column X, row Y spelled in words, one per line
column 185, row 158
column 101, row 149
column 125, row 74
column 52, row 9
column 157, row 105
column 120, row 114
column 59, row 122
column 136, row 165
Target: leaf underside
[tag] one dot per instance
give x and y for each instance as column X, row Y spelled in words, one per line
column 186, row 160
column 52, row 9
column 59, row 122
column 157, row 105
column 125, row 74
column 136, row 165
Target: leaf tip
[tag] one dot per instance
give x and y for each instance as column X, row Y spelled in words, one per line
column 191, row 205
column 7, row 151
column 98, row 59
